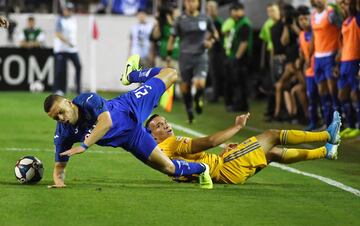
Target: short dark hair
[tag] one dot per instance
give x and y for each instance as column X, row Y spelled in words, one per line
column 148, row 122
column 31, row 18
column 303, row 10
column 236, row 6
column 50, row 100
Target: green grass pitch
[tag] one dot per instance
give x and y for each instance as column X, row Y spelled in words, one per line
column 108, row 186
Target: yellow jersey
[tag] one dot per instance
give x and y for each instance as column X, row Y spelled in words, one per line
column 234, row 167
column 178, row 147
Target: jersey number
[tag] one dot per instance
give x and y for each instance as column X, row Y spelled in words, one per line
column 142, row 91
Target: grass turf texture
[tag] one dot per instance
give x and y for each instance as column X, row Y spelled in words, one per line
column 108, row 186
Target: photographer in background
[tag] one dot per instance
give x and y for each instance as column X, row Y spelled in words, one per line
column 288, row 41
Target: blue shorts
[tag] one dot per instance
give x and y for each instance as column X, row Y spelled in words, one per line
column 142, row 102
column 323, row 68
column 348, row 74
column 311, row 88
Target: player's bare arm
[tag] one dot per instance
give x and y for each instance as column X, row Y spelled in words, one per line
column 170, row 44
column 102, row 127
column 59, row 175
column 205, row 143
column 241, row 50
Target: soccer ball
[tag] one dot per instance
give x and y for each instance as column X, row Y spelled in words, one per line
column 29, row 170
column 36, row 86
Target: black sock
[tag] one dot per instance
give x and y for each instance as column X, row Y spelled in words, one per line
column 188, row 101
column 199, row 93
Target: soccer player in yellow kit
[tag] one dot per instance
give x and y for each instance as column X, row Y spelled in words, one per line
column 237, row 162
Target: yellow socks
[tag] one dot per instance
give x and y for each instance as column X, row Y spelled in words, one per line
column 298, row 136
column 291, row 155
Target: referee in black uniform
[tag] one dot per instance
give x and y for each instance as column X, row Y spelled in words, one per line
column 193, row 28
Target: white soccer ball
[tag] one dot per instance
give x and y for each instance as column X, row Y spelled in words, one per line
column 29, row 170
column 36, row 86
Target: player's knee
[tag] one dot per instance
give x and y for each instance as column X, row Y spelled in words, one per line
column 355, row 95
column 274, row 155
column 169, row 169
column 171, row 74
column 273, row 134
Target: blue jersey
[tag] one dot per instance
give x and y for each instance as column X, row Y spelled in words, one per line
column 128, row 112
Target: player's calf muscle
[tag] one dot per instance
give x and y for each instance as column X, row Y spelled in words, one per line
column 168, row 76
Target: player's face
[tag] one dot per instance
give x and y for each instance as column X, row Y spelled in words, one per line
column 141, row 17
column 191, row 5
column 320, row 3
column 304, row 21
column 31, row 23
column 273, row 12
column 160, row 128
column 64, row 112
column 344, row 6
column 211, row 9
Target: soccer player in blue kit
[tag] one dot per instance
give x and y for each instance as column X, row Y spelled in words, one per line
column 118, row 122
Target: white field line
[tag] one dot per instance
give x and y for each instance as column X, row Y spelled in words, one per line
column 281, row 166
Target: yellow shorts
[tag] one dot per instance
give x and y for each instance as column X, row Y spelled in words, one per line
column 242, row 162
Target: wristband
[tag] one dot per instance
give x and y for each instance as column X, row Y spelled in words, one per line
column 84, row 145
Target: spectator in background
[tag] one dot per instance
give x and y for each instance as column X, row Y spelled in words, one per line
column 160, row 35
column 64, row 49
column 239, row 50
column 267, row 83
column 277, row 60
column 265, row 32
column 326, row 23
column 349, row 71
column 289, row 42
column 140, row 39
column 305, row 37
column 216, row 54
column 192, row 28
column 31, row 36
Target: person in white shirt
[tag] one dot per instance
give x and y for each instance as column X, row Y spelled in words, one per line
column 140, row 39
column 64, row 49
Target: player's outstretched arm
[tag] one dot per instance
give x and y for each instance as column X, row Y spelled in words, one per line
column 59, row 175
column 204, row 143
column 103, row 125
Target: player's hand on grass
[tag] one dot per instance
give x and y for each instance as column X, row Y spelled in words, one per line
column 242, row 119
column 73, row 151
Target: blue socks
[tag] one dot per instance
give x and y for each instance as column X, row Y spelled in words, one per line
column 312, row 109
column 335, row 102
column 183, row 168
column 326, row 108
column 347, row 110
column 357, row 112
column 143, row 75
